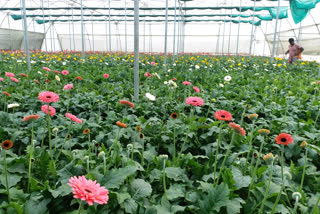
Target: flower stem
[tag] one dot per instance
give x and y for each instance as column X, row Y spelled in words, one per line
column 256, row 166
column 164, row 179
column 217, row 152
column 6, row 172
column 174, row 144
column 225, row 158
column 64, row 142
column 304, row 168
column 30, row 158
column 295, row 206
column 250, row 145
column 13, row 125
column 89, row 144
column 80, row 206
column 315, row 206
column 49, row 131
column 267, row 190
column 142, row 158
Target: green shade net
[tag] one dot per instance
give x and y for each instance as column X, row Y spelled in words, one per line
column 256, row 23
column 301, row 8
column 283, row 12
column 262, row 17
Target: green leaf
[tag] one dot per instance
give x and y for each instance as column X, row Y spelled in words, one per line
column 13, row 179
column 175, row 191
column 176, row 174
column 36, row 206
column 234, row 206
column 241, row 181
column 17, row 195
column 218, row 197
column 130, row 206
column 121, row 197
column 140, row 188
column 116, row 177
column 15, row 208
column 62, row 190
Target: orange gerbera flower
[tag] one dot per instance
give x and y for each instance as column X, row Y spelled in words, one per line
column 7, row 144
column 284, row 138
column 122, row 125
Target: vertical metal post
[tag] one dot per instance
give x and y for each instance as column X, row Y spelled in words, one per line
column 254, row 39
column 136, row 50
column 229, row 35
column 92, row 33
column 166, row 38
column 51, row 43
column 252, row 25
column 178, row 38
column 174, row 31
column 82, row 33
column 125, row 27
column 10, row 33
column 109, row 29
column 106, row 35
column 44, row 28
column 70, row 41
column 277, row 52
column 74, row 43
column 224, row 28
column 26, row 40
column 150, row 39
column 218, row 39
column 275, row 31
column 237, row 52
column 300, row 31
column 53, row 38
column 144, row 34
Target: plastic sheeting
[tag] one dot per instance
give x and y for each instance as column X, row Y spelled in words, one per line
column 301, row 8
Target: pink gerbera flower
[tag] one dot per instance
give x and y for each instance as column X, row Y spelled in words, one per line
column 46, row 68
column 64, row 72
column 48, row 97
column 14, row 79
column 88, row 190
column 196, row 89
column 52, row 111
column 152, row 63
column 73, row 118
column 68, row 87
column 106, row 76
column 186, row 83
column 223, row 115
column 174, row 79
column 1, row 79
column 195, row 101
column 147, row 74
column 9, row 74
column 57, row 72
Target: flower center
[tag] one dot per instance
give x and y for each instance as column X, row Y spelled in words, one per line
column 87, row 190
column 283, row 140
column 48, row 97
column 223, row 116
column 6, row 145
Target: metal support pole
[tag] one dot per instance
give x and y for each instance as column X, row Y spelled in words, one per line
column 237, row 52
column 166, row 38
column 144, row 35
column 53, row 39
column 224, row 28
column 26, row 44
column 300, row 31
column 10, row 33
column 70, row 41
column 82, row 34
column 150, row 39
column 74, row 43
column 51, row 36
column 109, row 29
column 92, row 33
column 125, row 27
column 229, row 36
column 136, row 50
column 254, row 40
column 174, row 31
column 275, row 31
column 252, row 25
column 44, row 28
column 106, row 35
column 277, row 53
column 178, row 39
column 218, row 40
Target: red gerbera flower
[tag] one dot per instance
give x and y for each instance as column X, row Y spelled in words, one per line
column 6, row 93
column 147, row 74
column 88, row 190
column 186, row 83
column 57, row 72
column 36, row 81
column 9, row 74
column 23, row 75
column 223, row 115
column 48, row 97
column 73, row 118
column 106, row 76
column 237, row 128
column 195, row 101
column 47, row 80
column 196, row 89
column 78, row 78
column 127, row 103
column 32, row 117
column 284, row 138
column 52, row 111
column 174, row 79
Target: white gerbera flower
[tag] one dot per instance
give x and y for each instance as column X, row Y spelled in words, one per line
column 33, row 62
column 221, row 85
column 227, row 78
column 156, row 75
column 13, row 105
column 197, row 67
column 174, row 64
column 57, row 78
column 150, row 97
column 19, row 61
column 165, row 82
column 173, row 84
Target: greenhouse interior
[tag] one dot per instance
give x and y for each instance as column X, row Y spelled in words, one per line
column 160, row 107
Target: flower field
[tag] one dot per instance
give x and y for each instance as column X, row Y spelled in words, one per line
column 210, row 135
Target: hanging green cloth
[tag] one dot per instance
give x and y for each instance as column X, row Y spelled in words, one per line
column 300, row 9
column 283, row 13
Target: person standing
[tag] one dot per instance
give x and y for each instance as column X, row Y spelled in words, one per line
column 294, row 51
